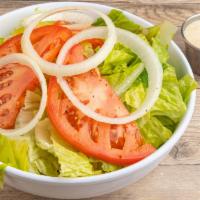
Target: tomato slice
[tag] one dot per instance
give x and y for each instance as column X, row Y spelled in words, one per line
column 47, row 41
column 117, row 144
column 15, row 79
column 11, row 45
column 12, row 91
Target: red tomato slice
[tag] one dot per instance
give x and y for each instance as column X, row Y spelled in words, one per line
column 12, row 45
column 47, row 41
column 15, row 79
column 12, row 91
column 117, row 144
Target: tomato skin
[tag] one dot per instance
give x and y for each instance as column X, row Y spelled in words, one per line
column 11, row 45
column 78, row 134
column 47, row 41
column 76, row 53
column 116, row 144
column 12, row 91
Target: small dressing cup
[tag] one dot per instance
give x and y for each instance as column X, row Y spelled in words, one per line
column 192, row 51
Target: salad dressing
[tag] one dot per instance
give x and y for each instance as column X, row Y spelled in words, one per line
column 192, row 33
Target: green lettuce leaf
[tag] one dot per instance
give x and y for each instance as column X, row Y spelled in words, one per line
column 72, row 163
column 41, row 161
column 153, row 130
column 160, row 49
column 170, row 102
column 186, row 85
column 170, row 106
column 134, row 96
column 14, row 152
column 2, row 173
column 118, row 60
column 120, row 21
column 2, row 40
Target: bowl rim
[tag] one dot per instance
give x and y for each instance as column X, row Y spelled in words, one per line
column 108, row 177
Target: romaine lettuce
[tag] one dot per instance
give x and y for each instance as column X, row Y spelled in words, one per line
column 14, row 152
column 2, row 173
column 121, row 21
column 186, row 85
column 41, row 161
column 72, row 162
column 158, row 125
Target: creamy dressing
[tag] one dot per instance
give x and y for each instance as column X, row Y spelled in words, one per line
column 192, row 33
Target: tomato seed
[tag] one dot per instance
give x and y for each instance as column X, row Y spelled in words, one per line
column 4, row 112
column 5, row 98
column 6, row 84
column 5, row 75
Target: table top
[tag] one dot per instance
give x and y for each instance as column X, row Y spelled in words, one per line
column 178, row 176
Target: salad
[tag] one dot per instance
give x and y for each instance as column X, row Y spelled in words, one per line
column 82, row 96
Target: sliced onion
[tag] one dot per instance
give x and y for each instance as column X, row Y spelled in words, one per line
column 152, row 65
column 23, row 59
column 129, row 80
column 75, row 20
column 72, row 69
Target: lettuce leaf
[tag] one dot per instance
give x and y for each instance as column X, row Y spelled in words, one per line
column 134, row 96
column 170, row 102
column 41, row 161
column 158, row 125
column 2, row 40
column 2, row 173
column 121, row 21
column 118, row 60
column 72, row 162
column 160, row 49
column 186, row 85
column 153, row 130
column 14, row 152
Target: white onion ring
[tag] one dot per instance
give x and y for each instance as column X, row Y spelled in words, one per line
column 76, row 20
column 23, row 59
column 69, row 70
column 152, row 65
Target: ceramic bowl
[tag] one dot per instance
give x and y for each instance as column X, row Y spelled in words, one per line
column 76, row 188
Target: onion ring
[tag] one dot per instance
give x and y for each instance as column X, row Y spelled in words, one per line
column 76, row 20
column 151, row 63
column 69, row 70
column 23, row 59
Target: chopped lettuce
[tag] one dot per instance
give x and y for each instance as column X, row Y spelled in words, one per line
column 134, row 96
column 121, row 21
column 159, row 37
column 160, row 50
column 186, row 85
column 2, row 173
column 153, row 130
column 2, row 40
column 42, row 151
column 14, row 152
column 72, row 162
column 170, row 102
column 158, row 125
column 118, row 60
column 41, row 161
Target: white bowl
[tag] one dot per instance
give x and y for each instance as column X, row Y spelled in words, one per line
column 75, row 188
